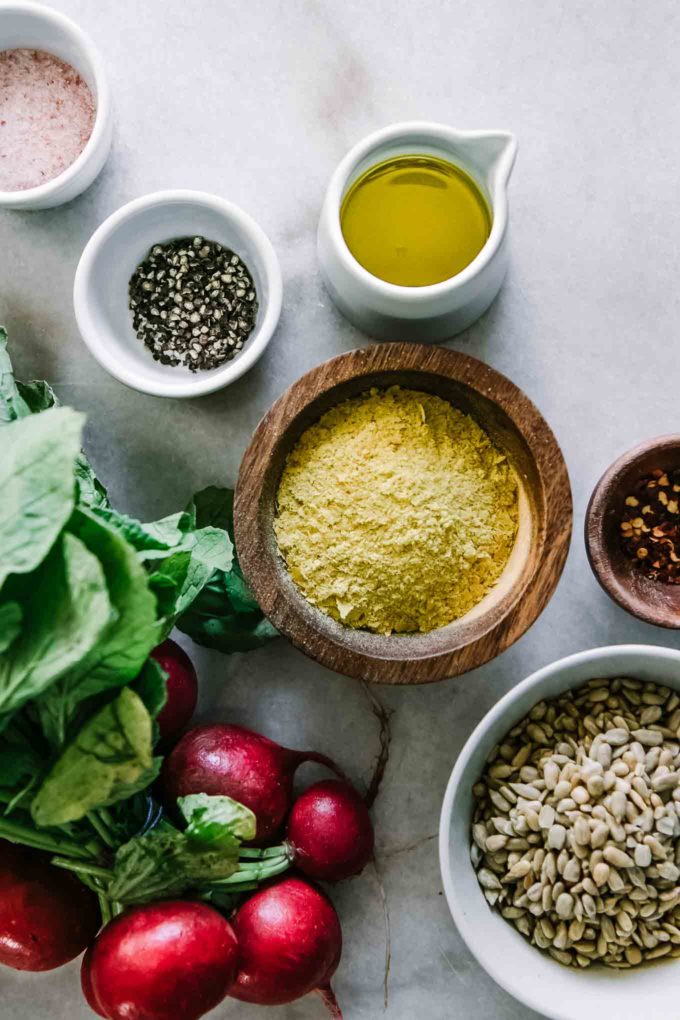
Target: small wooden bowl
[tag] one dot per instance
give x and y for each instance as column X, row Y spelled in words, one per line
column 651, row 601
column 535, row 565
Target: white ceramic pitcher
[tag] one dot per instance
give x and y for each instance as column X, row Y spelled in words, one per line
column 392, row 312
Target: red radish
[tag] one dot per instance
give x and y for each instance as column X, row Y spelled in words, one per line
column 290, row 944
column 47, row 916
column 86, row 984
column 330, row 831
column 182, row 688
column 235, row 762
column 164, row 961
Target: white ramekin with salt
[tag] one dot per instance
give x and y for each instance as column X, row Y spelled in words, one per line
column 55, row 109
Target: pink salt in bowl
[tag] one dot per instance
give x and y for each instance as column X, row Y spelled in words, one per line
column 32, row 26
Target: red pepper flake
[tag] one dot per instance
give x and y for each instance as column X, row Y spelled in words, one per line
column 650, row 526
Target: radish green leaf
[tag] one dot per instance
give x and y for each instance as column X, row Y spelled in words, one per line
column 151, row 686
column 106, row 761
column 165, row 863
column 125, row 646
column 217, row 821
column 67, row 605
column 10, row 624
column 37, row 458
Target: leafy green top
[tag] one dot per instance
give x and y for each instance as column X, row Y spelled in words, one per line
column 86, row 593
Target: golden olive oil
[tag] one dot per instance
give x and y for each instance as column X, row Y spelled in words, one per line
column 415, row 220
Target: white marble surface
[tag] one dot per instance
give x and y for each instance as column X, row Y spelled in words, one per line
column 258, row 102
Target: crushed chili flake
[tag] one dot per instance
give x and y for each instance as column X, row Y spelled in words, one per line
column 650, row 525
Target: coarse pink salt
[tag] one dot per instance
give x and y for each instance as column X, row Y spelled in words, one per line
column 47, row 113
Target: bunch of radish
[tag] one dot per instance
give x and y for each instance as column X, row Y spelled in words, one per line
column 329, row 830
column 177, row 959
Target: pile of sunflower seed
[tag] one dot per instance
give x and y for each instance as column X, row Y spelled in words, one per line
column 193, row 303
column 576, row 828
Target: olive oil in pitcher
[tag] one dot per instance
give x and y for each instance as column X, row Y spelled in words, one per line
column 415, row 220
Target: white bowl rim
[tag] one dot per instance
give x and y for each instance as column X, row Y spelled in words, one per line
column 515, row 986
column 442, row 132
column 218, row 377
column 102, row 109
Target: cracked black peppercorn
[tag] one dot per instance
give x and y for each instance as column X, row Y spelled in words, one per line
column 193, row 303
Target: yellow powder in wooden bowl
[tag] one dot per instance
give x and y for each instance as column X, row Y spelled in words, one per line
column 396, row 513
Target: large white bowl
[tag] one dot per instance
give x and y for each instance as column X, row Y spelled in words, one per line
column 100, row 289
column 33, row 26
column 561, row 993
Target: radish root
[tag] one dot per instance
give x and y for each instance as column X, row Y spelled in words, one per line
column 387, row 851
column 388, row 935
column 383, row 715
column 328, row 998
column 320, row 759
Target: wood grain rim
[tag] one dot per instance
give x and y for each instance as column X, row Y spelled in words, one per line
column 649, row 601
column 465, row 644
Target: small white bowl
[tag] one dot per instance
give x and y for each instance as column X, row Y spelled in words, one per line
column 100, row 290
column 542, row 984
column 391, row 312
column 32, row 26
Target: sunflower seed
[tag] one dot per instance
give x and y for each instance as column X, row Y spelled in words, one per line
column 488, row 880
column 576, row 831
column 601, row 874
column 648, row 738
column 617, row 857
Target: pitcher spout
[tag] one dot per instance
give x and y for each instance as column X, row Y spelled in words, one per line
column 494, row 154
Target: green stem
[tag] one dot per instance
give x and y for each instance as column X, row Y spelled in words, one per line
column 248, row 853
column 16, row 800
column 107, row 819
column 91, row 883
column 116, row 908
column 237, row 889
column 268, row 869
column 83, row 869
column 94, row 848
column 23, row 834
column 105, row 908
column 100, row 828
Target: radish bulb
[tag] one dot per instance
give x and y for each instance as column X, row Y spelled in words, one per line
column 330, row 833
column 290, row 943
column 86, row 984
column 174, row 960
column 231, row 761
column 47, row 916
column 182, row 688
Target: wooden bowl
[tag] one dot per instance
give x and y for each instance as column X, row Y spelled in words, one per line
column 651, row 601
column 535, row 565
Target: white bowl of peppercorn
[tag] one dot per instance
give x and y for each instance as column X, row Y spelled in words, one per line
column 632, row 531
column 178, row 293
